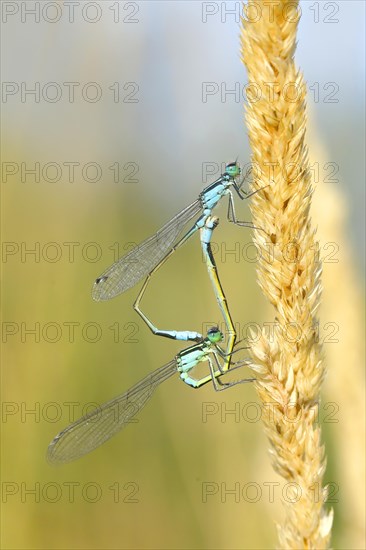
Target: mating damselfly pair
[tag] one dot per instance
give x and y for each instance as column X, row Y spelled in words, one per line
column 91, row 431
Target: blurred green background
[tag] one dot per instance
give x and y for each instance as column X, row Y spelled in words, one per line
column 194, row 472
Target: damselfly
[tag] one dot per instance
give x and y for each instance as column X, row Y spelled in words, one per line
column 146, row 258
column 91, row 431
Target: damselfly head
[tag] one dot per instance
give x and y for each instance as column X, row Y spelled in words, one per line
column 215, row 335
column 233, row 169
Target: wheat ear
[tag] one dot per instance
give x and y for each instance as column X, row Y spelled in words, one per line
column 289, row 368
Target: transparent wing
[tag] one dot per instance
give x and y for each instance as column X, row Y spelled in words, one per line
column 139, row 262
column 90, row 431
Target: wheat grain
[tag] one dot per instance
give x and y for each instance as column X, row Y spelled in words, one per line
column 289, row 367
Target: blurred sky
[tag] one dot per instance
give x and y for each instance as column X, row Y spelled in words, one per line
column 169, row 52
